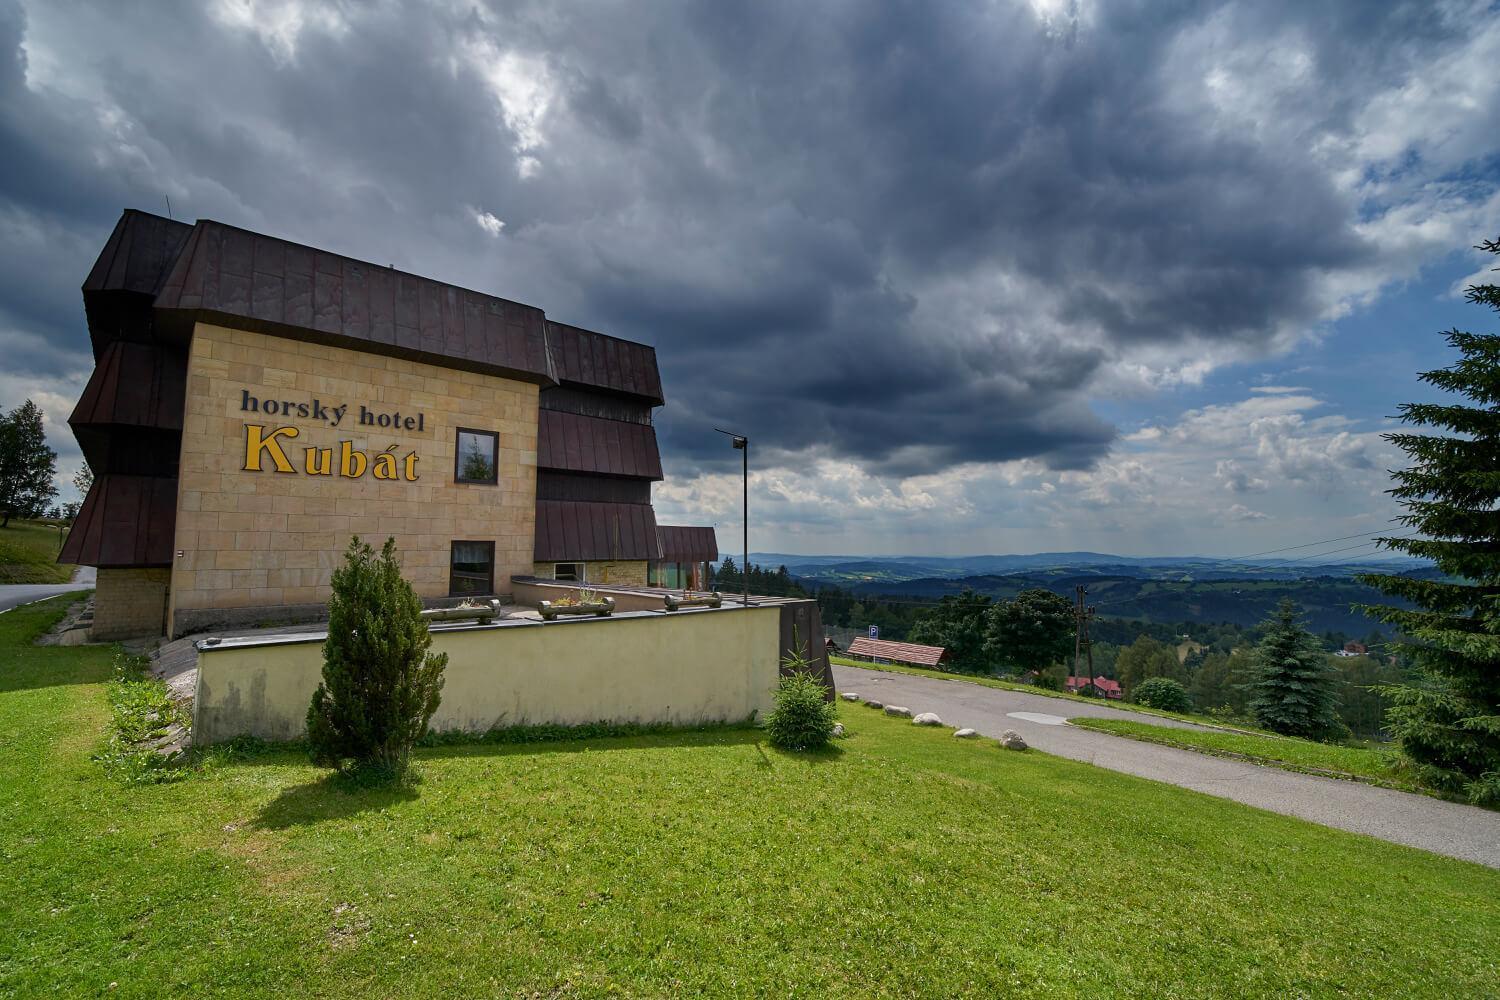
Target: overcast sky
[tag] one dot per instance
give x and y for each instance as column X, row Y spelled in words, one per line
column 988, row 277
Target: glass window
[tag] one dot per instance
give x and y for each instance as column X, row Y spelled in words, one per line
column 477, row 457
column 473, row 569
column 568, row 571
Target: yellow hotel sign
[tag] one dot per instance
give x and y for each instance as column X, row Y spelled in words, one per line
column 261, row 445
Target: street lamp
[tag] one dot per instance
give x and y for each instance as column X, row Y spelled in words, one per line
column 742, row 445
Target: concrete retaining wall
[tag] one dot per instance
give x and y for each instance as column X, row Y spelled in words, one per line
column 708, row 665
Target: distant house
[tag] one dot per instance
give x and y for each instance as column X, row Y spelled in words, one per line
column 1105, row 686
column 1352, row 648
column 910, row 654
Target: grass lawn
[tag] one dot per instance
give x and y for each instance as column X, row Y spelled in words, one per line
column 1366, row 764
column 903, row 863
column 27, row 553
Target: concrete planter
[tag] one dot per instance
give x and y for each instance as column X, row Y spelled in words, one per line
column 712, row 600
column 484, row 613
column 600, row 609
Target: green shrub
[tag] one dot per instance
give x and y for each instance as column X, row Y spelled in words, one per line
column 1162, row 693
column 1051, row 679
column 803, row 718
column 1293, row 690
column 380, row 684
column 142, row 713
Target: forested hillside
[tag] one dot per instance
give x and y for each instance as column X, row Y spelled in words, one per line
column 1326, row 600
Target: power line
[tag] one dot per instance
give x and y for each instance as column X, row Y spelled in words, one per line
column 1308, row 545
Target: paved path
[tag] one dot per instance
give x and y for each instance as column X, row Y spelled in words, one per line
column 1459, row 831
column 15, row 594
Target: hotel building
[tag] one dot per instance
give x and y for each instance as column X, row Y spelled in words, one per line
column 255, row 403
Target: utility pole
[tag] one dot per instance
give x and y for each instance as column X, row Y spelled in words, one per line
column 1081, row 642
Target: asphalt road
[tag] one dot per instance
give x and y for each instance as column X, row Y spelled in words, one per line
column 1458, row 831
column 15, row 594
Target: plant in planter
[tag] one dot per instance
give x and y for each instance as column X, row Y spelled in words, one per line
column 584, row 602
column 690, row 600
column 484, row 612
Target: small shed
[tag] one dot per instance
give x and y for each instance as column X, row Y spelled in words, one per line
column 1107, row 688
column 907, row 653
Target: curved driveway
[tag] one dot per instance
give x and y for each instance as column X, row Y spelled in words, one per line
column 13, row 595
column 1459, row 831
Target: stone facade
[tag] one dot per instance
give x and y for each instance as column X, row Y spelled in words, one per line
column 272, row 536
column 129, row 603
column 624, row 573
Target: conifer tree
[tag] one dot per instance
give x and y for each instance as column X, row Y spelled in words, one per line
column 1292, row 690
column 27, row 465
column 1448, row 721
column 380, row 684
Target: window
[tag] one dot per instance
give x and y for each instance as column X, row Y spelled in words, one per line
column 472, row 570
column 568, row 571
column 477, row 457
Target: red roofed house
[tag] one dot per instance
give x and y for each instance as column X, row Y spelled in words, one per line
column 1105, row 686
column 910, row 654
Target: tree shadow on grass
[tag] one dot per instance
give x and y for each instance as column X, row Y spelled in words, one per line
column 479, row 746
column 334, row 796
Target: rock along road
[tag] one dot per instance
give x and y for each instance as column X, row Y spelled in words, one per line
column 1458, row 831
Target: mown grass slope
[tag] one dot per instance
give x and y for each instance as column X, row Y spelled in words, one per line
column 1379, row 766
column 903, row 863
column 28, row 554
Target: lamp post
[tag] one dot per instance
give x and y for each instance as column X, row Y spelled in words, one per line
column 742, row 445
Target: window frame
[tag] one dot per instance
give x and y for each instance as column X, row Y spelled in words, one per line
column 582, row 576
column 452, row 579
column 458, row 476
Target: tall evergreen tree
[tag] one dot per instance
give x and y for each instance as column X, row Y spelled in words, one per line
column 26, row 464
column 1448, row 722
column 380, row 684
column 1293, row 688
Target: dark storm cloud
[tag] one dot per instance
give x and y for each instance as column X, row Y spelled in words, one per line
column 911, row 235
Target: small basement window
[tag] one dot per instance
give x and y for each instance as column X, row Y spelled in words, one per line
column 568, row 571
column 477, row 457
column 472, row 569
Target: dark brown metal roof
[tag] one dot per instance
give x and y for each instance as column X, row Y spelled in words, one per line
column 138, row 255
column 578, row 531
column 155, row 278
column 573, row 442
column 285, row 289
column 680, row 543
column 598, row 361
column 124, row 521
column 900, row 652
column 134, row 384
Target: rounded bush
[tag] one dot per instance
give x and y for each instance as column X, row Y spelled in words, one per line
column 1162, row 693
column 802, row 718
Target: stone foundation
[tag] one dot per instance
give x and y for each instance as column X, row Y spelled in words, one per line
column 621, row 573
column 130, row 603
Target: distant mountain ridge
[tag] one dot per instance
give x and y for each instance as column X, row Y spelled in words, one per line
column 1160, row 589
column 851, row 571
